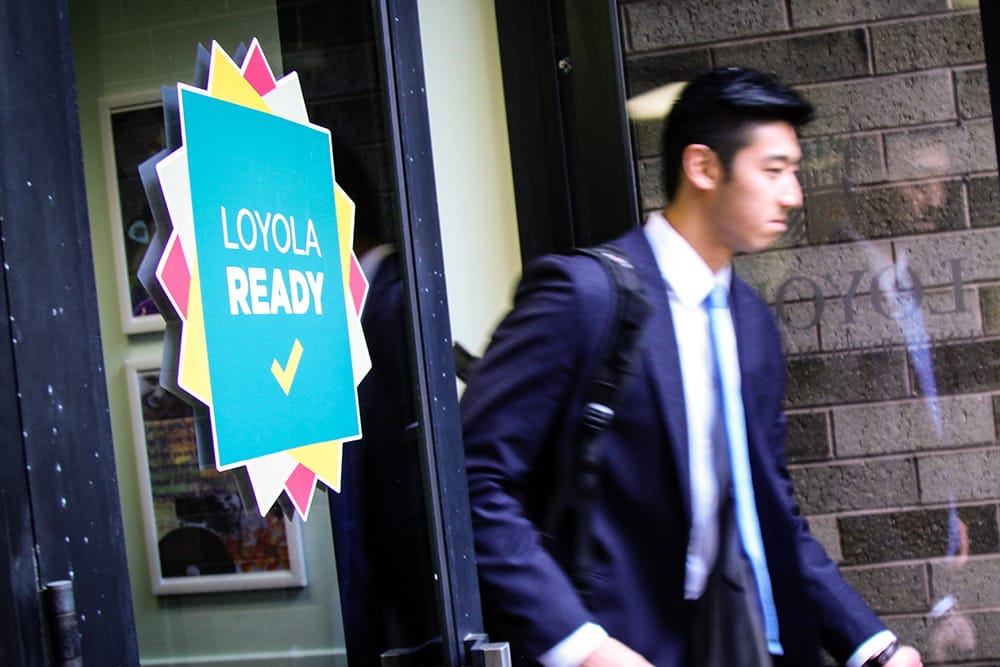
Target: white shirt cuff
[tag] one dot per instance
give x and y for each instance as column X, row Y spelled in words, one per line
column 870, row 648
column 574, row 649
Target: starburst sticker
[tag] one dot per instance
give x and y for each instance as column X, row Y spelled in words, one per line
column 255, row 275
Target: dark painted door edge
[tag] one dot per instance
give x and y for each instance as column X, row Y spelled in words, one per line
column 437, row 400
column 571, row 154
column 53, row 388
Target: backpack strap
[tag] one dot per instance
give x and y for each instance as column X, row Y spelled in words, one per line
column 577, row 490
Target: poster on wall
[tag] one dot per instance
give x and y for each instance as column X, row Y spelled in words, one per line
column 252, row 268
column 200, row 537
column 131, row 132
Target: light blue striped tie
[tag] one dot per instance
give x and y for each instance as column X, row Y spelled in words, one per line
column 727, row 367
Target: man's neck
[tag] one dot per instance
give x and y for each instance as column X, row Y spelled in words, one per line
column 692, row 224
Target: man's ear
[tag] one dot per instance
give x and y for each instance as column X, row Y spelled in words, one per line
column 701, row 166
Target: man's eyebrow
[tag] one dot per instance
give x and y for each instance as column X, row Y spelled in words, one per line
column 782, row 157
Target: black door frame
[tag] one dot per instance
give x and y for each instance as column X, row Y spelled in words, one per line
column 60, row 492
column 571, row 154
column 59, row 500
column 443, row 454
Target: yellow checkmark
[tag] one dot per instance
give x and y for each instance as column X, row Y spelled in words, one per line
column 286, row 376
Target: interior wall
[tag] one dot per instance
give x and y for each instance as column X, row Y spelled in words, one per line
column 124, row 51
column 471, row 164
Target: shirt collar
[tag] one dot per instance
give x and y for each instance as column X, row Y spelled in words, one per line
column 685, row 272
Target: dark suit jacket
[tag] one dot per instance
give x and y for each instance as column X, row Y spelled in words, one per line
column 379, row 520
column 520, row 414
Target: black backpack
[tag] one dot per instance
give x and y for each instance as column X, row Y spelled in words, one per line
column 575, row 493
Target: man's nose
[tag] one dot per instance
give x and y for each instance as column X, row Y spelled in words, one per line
column 791, row 193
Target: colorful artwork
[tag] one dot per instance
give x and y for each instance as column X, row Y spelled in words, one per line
column 200, row 535
column 132, row 132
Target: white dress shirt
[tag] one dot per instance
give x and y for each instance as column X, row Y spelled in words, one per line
column 680, row 266
column 688, row 282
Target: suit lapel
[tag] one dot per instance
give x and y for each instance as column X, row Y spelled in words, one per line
column 661, row 359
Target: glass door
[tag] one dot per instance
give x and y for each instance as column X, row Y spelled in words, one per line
column 376, row 573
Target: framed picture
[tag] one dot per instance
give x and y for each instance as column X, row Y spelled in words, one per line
column 199, row 535
column 131, row 131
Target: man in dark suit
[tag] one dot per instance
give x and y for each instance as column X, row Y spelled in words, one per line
column 658, row 523
column 379, row 517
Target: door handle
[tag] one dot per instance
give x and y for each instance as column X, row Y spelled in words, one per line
column 484, row 653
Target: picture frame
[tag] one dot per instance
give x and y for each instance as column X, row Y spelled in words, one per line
column 131, row 131
column 199, row 536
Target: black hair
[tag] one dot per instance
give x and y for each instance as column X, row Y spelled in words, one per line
column 718, row 108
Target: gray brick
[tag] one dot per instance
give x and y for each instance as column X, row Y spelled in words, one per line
column 951, row 39
column 962, row 638
column 795, row 235
column 651, row 190
column 880, row 212
column 841, row 161
column 966, row 367
column 669, row 23
column 810, row 14
column 846, row 378
column 990, row 303
column 824, row 488
column 881, row 103
column 912, row 630
column 996, row 416
column 908, row 318
column 798, row 333
column 803, row 301
column 961, row 476
column 824, row 529
column 808, row 437
column 801, row 273
column 916, row 425
column 984, row 201
column 975, row 582
column 941, row 151
column 931, row 256
column 973, row 93
column 649, row 72
column 818, row 57
column 891, row 590
column 648, row 138
column 914, row 534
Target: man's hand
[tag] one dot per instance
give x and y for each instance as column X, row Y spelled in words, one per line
column 612, row 653
column 906, row 656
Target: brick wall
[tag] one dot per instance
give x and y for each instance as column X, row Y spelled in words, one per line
column 887, row 286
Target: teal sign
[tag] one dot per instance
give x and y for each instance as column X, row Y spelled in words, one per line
column 272, row 285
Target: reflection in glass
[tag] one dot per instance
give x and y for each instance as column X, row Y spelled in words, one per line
column 884, row 287
column 379, row 519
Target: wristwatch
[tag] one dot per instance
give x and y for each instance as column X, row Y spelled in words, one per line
column 882, row 657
